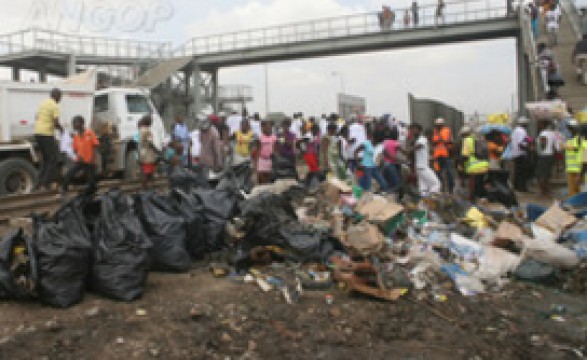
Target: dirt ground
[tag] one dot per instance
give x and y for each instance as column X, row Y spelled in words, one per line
column 197, row 316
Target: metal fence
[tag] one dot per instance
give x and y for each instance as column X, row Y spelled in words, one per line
column 571, row 10
column 81, row 45
column 457, row 12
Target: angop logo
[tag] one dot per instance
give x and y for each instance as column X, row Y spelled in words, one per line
column 72, row 16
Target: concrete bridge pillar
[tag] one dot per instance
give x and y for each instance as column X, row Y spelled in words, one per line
column 43, row 74
column 214, row 88
column 197, row 95
column 523, row 76
column 15, row 73
column 71, row 65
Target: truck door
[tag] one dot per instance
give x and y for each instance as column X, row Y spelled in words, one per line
column 102, row 110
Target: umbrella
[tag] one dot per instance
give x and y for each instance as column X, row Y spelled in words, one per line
column 486, row 129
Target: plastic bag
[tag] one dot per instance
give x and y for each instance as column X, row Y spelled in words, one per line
column 166, row 230
column 270, row 220
column 219, row 208
column 121, row 250
column 464, row 248
column 18, row 267
column 284, row 168
column 498, row 189
column 192, row 212
column 465, row 283
column 496, row 263
column 187, row 178
column 237, row 178
column 549, row 252
column 63, row 246
column 536, row 271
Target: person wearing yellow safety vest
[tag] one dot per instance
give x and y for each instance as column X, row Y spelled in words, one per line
column 574, row 148
column 476, row 164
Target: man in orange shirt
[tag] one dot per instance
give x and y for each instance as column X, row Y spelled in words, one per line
column 85, row 143
column 442, row 143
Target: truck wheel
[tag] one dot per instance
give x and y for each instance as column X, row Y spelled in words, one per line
column 17, row 176
column 131, row 166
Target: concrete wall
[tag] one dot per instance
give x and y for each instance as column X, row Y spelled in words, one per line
column 426, row 111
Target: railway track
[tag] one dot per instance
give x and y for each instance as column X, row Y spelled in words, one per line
column 18, row 206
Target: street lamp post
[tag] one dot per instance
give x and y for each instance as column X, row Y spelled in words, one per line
column 267, row 90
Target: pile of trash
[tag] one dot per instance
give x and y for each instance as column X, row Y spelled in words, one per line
column 376, row 246
column 281, row 239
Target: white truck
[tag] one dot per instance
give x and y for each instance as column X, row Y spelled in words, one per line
column 116, row 109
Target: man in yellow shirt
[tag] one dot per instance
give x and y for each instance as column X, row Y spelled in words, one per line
column 45, row 124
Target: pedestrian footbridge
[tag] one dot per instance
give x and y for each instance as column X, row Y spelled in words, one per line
column 197, row 61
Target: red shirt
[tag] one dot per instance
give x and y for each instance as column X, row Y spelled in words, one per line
column 84, row 146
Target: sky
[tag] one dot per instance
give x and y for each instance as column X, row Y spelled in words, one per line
column 474, row 77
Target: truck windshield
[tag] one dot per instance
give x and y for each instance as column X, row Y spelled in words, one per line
column 137, row 104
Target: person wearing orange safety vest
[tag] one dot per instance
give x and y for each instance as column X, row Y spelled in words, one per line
column 443, row 165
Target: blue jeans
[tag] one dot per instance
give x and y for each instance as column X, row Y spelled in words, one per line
column 372, row 173
column 446, row 171
column 391, row 173
column 535, row 29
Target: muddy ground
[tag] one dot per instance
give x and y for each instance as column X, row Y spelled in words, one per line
column 197, row 316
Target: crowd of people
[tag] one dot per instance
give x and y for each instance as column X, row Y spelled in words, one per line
column 383, row 151
column 362, row 151
column 550, row 12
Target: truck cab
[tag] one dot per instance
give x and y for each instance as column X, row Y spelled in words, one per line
column 113, row 113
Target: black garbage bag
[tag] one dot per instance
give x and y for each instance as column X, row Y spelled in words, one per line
column 264, row 215
column 498, row 189
column 192, row 211
column 63, row 246
column 284, row 168
column 120, row 259
column 18, row 267
column 219, row 208
column 308, row 244
column 270, row 220
column 166, row 230
column 187, row 178
column 237, row 178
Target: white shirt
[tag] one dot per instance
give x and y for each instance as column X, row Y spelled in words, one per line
column 234, row 123
column 403, row 135
column 518, row 137
column 66, row 145
column 196, row 145
column 552, row 17
column 323, row 123
column 422, row 155
column 256, row 127
column 296, row 128
column 551, row 143
column 345, row 148
column 357, row 132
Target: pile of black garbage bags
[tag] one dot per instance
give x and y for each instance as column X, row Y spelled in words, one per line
column 109, row 243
